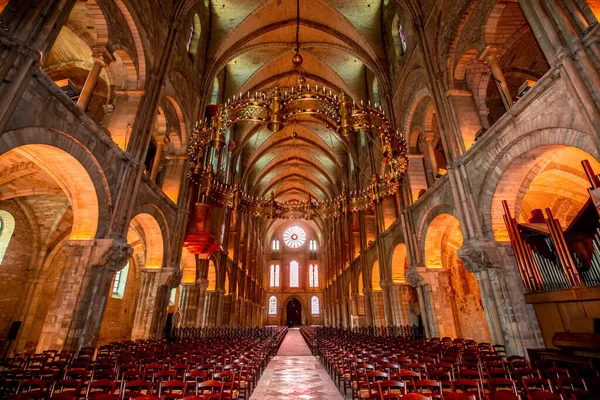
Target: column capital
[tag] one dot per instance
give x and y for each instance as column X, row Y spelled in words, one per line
column 476, row 255
column 490, row 55
column 414, row 278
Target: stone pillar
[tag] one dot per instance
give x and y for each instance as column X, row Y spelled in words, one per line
column 354, row 301
column 234, row 313
column 202, row 286
column 158, row 157
column 345, row 316
column 188, row 303
column 75, row 314
column 153, row 299
column 242, row 315
column 431, row 153
column 387, row 304
column 491, row 59
column 368, row 309
column 220, row 298
column 90, row 83
column 28, row 32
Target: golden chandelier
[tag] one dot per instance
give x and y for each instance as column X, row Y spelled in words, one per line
column 346, row 117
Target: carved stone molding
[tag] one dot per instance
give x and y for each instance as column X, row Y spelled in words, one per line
column 174, row 279
column 413, row 278
column 476, row 255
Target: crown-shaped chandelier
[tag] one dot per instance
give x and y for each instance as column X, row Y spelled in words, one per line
column 300, row 104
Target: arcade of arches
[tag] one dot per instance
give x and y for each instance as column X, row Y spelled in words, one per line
column 498, row 100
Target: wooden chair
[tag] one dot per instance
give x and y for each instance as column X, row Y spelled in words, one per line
column 100, row 387
column 458, row 396
column 135, row 389
column 172, row 389
column 390, row 389
column 468, row 386
column 429, row 388
column 210, row 389
column 502, row 385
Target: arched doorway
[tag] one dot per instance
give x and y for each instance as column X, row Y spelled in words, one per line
column 293, row 312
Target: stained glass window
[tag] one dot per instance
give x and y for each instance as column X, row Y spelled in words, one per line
column 294, row 237
column 312, row 245
column 273, row 305
column 314, row 306
column 294, row 274
column 402, row 39
column 274, row 275
column 313, row 276
column 275, row 244
column 188, row 45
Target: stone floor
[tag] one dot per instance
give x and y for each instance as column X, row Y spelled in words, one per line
column 295, row 374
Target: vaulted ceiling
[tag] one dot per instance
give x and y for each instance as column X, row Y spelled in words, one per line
column 251, row 48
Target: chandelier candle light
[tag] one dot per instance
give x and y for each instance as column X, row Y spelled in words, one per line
column 301, row 104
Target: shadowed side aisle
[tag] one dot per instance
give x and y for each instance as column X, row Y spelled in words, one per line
column 295, row 374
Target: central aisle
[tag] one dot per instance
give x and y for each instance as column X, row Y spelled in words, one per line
column 295, row 374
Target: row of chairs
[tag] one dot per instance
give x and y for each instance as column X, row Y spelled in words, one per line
column 211, row 366
column 442, row 367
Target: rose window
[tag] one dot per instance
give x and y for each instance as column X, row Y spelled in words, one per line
column 294, row 237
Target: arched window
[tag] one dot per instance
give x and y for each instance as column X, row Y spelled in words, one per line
column 193, row 37
column 7, row 227
column 294, row 274
column 172, row 297
column 120, row 282
column 398, row 37
column 312, row 245
column 403, row 41
column 214, row 97
column 273, row 305
column 274, row 275
column 314, row 306
column 313, row 276
column 376, row 96
column 275, row 245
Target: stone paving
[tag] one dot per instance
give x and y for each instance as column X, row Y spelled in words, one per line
column 295, row 374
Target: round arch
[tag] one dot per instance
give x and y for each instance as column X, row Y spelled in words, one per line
column 73, row 169
column 153, row 239
column 519, row 162
column 399, row 263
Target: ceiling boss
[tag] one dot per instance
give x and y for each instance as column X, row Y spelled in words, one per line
column 300, row 104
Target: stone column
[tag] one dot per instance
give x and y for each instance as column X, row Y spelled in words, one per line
column 491, row 59
column 29, row 29
column 234, row 314
column 220, row 298
column 387, row 303
column 368, row 309
column 345, row 316
column 76, row 310
column 90, row 83
column 188, row 303
column 158, row 157
column 153, row 299
column 242, row 315
column 431, row 153
column 354, row 301
column 202, row 285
